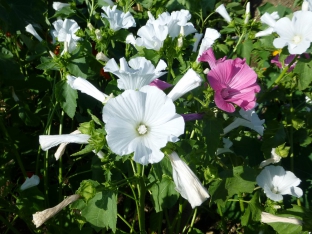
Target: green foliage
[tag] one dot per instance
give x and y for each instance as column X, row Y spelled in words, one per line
column 66, row 96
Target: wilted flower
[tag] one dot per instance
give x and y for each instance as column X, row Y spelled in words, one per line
column 210, row 36
column 189, row 81
column 65, row 32
column 118, row 19
column 58, row 5
column 101, row 56
column 86, row 87
column 250, row 120
column 40, row 217
column 140, row 73
column 227, row 143
column 223, row 12
column 276, row 182
column 30, row 182
column 141, row 122
column 187, row 183
column 269, row 218
column 275, row 158
column 29, row 28
column 233, row 82
column 294, row 33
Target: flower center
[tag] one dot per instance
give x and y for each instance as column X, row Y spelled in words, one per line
column 275, row 190
column 227, row 93
column 142, row 129
column 296, row 39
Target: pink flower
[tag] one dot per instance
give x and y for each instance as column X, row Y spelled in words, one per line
column 233, row 81
column 287, row 61
column 162, row 85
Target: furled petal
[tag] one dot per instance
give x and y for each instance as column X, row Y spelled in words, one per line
column 187, row 183
column 223, row 12
column 30, row 182
column 49, row 141
column 275, row 158
column 269, row 218
column 210, row 36
column 29, row 28
column 58, row 5
column 189, row 81
column 265, row 32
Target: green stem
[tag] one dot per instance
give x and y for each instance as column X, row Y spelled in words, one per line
column 125, row 221
column 291, row 138
column 179, row 215
column 241, row 203
column 92, row 9
column 45, row 172
column 60, row 169
column 193, row 221
column 141, row 194
column 13, row 147
column 9, row 225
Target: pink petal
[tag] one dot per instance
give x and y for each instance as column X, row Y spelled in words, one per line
column 162, row 85
column 222, row 104
column 192, row 116
column 208, row 56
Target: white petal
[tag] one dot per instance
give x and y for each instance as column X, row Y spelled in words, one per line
column 223, row 12
column 197, row 37
column 30, row 182
column 269, row 218
column 49, row 141
column 29, row 28
column 58, row 5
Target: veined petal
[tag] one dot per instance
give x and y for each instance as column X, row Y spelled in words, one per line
column 49, row 141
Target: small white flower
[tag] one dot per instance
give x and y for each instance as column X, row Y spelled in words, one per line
column 188, row 82
column 30, row 182
column 65, row 32
column 275, row 158
column 141, row 122
column 187, row 183
column 118, row 19
column 294, row 33
column 86, row 87
column 98, row 34
column 49, row 141
column 140, row 73
column 265, row 32
column 210, row 36
column 223, row 12
column 29, row 28
column 226, row 148
column 58, row 5
column 269, row 218
column 40, row 217
column 250, row 119
column 247, row 13
column 102, row 57
column 197, row 37
column 276, row 182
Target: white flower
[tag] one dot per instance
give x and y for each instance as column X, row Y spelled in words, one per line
column 270, row 20
column 295, row 33
column 141, row 122
column 276, row 182
column 210, row 36
column 58, row 5
column 40, row 217
column 247, row 13
column 98, row 34
column 102, row 57
column 275, row 158
column 305, row 5
column 151, row 36
column 197, row 37
column 30, row 182
column 65, row 32
column 118, row 19
column 189, row 81
column 223, row 12
column 187, row 183
column 250, row 119
column 269, row 218
column 226, row 148
column 29, row 28
column 140, row 73
column 49, row 141
column 86, row 87
column 178, row 20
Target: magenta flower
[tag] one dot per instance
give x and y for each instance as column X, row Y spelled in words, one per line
column 287, row 61
column 232, row 80
column 162, row 85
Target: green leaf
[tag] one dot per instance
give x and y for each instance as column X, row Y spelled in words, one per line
column 164, row 194
column 253, row 211
column 87, row 189
column 78, row 67
column 85, row 150
column 288, row 228
column 48, row 65
column 212, row 130
column 303, row 69
column 244, row 50
column 282, row 150
column 101, row 210
column 66, row 96
column 29, row 118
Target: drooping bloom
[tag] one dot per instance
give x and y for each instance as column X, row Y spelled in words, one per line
column 287, row 61
column 65, row 32
column 250, row 120
column 270, row 20
column 269, row 218
column 187, row 183
column 59, row 5
column 189, row 81
column 41, row 217
column 49, row 141
column 86, row 87
column 227, row 143
column 233, row 82
column 29, row 28
column 223, row 12
column 141, row 122
column 276, row 182
column 295, row 33
column 140, row 73
column 210, row 36
column 30, row 182
column 118, row 19
column 275, row 158
column 247, row 13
